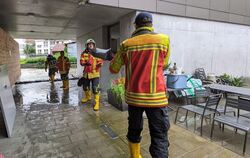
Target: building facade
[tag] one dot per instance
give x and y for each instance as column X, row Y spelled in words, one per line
column 209, row 34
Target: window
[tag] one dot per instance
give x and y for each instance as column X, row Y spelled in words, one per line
column 46, row 51
column 52, row 42
column 46, row 44
column 39, row 51
column 39, row 46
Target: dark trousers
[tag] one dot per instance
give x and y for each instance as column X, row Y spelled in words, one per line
column 95, row 85
column 52, row 71
column 158, row 125
column 64, row 77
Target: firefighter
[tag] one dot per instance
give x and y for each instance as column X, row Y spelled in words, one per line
column 145, row 55
column 51, row 65
column 63, row 65
column 91, row 73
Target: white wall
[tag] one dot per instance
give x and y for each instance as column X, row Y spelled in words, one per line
column 127, row 26
column 218, row 47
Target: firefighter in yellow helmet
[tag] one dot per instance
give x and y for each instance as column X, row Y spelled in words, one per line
column 91, row 73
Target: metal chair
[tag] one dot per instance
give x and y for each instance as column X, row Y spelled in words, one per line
column 246, row 115
column 240, row 123
column 200, row 74
column 207, row 110
column 198, row 94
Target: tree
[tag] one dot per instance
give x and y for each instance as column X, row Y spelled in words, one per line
column 29, row 50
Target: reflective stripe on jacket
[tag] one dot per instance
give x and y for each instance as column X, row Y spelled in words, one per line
column 144, row 57
column 93, row 70
column 63, row 65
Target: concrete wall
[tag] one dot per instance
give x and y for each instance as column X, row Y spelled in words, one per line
column 9, row 54
column 216, row 46
column 232, row 11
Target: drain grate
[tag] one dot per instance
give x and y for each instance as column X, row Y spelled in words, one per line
column 109, row 131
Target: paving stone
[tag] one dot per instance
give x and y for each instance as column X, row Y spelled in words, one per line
column 61, row 141
column 58, row 135
column 78, row 137
column 56, row 127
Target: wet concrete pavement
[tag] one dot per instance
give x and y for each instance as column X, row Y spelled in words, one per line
column 40, row 74
column 51, row 122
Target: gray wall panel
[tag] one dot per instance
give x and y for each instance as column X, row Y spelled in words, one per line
column 149, row 5
column 220, row 5
column 197, row 12
column 198, row 3
column 175, row 1
column 218, row 16
column 106, row 2
column 237, row 7
column 171, row 8
column 236, row 18
column 233, row 11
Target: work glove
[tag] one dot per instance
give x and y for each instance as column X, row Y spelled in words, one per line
column 110, row 56
column 87, row 64
column 99, row 65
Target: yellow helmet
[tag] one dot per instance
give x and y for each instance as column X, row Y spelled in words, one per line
column 90, row 41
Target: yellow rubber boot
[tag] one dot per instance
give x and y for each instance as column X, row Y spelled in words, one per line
column 66, row 85
column 87, row 96
column 52, row 77
column 63, row 84
column 97, row 102
column 135, row 150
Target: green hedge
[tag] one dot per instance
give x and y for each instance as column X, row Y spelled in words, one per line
column 72, row 59
column 33, row 60
column 41, row 60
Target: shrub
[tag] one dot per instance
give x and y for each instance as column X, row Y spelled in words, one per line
column 232, row 81
column 33, row 60
column 72, row 59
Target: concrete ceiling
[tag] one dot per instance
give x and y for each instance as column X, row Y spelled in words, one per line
column 54, row 19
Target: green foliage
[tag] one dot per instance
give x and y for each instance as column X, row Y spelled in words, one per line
column 238, row 82
column 72, row 59
column 167, row 67
column 29, row 50
column 232, row 81
column 39, row 62
column 22, row 61
column 33, row 60
column 225, row 77
column 36, row 60
column 118, row 90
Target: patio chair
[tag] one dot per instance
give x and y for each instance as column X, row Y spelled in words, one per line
column 230, row 107
column 200, row 74
column 203, row 111
column 240, row 123
column 246, row 115
column 198, row 95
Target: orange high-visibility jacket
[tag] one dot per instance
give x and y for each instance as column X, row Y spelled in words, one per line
column 144, row 57
column 93, row 70
column 63, row 65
